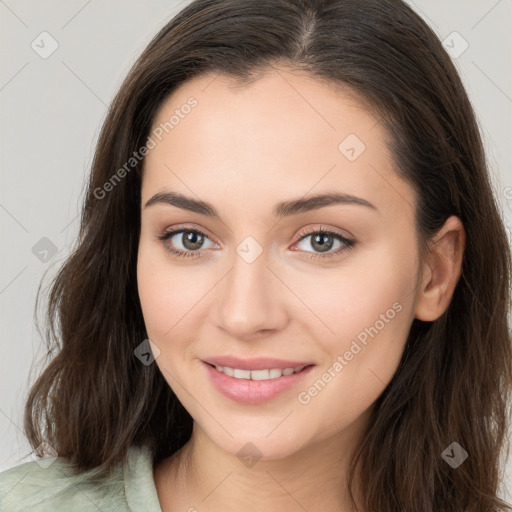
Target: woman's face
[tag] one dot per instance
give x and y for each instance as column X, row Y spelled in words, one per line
column 262, row 283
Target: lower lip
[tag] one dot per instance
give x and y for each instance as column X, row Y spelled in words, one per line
column 253, row 392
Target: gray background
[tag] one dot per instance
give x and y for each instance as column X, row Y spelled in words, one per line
column 52, row 109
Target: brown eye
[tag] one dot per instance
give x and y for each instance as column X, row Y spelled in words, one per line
column 184, row 242
column 323, row 240
column 191, row 240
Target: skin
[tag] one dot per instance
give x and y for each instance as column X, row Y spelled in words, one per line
column 244, row 149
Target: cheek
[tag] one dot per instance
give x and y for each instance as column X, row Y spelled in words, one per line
column 371, row 312
column 372, row 283
column 160, row 292
column 172, row 298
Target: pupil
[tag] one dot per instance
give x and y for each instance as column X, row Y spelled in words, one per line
column 320, row 239
column 192, row 240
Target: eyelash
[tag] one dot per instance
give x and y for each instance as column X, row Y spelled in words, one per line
column 349, row 243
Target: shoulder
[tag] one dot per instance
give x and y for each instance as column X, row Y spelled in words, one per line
column 53, row 485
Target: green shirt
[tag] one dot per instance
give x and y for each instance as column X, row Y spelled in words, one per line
column 35, row 488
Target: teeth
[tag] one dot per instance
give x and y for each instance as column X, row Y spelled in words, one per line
column 272, row 373
column 241, row 374
column 275, row 373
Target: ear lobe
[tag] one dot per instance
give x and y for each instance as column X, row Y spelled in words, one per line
column 442, row 271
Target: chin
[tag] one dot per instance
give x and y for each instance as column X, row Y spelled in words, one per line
column 248, row 447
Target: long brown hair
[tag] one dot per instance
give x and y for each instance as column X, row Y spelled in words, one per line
column 95, row 399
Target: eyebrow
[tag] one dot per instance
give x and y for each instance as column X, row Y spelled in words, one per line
column 283, row 209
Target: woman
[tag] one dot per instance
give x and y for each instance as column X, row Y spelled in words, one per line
column 291, row 284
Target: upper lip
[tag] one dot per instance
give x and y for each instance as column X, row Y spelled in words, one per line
column 258, row 363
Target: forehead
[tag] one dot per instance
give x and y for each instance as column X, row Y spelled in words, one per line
column 269, row 102
column 286, row 134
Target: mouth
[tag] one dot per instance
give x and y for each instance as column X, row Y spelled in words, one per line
column 255, row 386
column 261, row 374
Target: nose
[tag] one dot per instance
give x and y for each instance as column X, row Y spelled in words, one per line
column 250, row 300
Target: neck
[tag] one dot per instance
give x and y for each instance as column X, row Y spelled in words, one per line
column 202, row 476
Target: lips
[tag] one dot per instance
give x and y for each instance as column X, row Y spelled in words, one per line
column 246, row 389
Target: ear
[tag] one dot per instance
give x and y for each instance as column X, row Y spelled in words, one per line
column 442, row 271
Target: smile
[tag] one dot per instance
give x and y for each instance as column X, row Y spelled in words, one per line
column 256, row 386
column 264, row 374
